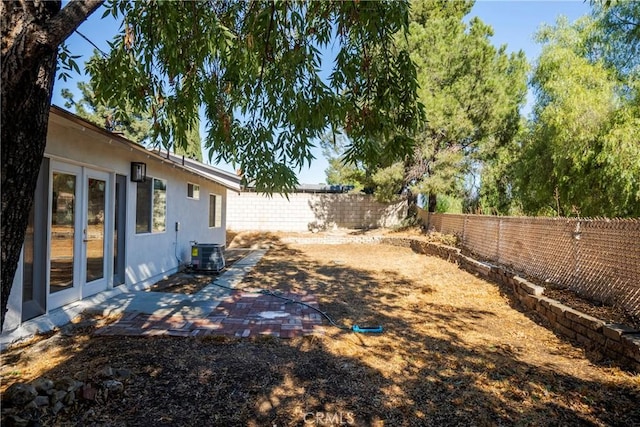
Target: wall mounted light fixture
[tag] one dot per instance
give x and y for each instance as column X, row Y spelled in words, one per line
column 138, row 172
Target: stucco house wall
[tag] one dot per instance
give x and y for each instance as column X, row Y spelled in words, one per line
column 78, row 146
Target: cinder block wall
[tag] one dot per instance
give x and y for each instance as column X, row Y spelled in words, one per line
column 307, row 211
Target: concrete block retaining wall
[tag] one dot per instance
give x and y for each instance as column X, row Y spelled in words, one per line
column 617, row 342
column 308, row 211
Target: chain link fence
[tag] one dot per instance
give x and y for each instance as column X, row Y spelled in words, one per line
column 597, row 258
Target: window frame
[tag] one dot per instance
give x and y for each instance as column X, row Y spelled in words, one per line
column 152, row 209
column 154, row 199
column 195, row 191
column 217, row 210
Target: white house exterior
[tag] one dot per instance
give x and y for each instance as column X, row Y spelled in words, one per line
column 93, row 229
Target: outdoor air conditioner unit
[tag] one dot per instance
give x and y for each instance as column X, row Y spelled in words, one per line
column 207, row 257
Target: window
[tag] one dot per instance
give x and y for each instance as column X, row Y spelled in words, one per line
column 215, row 210
column 159, row 205
column 193, row 191
column 151, row 206
column 143, row 206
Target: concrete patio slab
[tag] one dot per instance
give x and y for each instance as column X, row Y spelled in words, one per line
column 166, row 302
column 125, row 299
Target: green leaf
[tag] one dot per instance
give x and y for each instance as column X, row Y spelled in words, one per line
column 255, row 67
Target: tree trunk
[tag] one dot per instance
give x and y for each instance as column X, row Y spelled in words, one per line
column 31, row 33
column 412, row 206
column 432, row 202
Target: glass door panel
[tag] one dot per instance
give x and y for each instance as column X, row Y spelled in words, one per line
column 97, row 232
column 95, row 228
column 80, row 233
column 63, row 219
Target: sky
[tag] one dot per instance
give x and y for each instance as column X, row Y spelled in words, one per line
column 514, row 23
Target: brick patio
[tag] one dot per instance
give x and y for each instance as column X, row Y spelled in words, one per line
column 240, row 314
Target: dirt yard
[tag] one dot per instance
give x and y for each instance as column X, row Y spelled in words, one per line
column 454, row 352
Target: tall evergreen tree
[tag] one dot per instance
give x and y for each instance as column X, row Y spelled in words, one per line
column 472, row 93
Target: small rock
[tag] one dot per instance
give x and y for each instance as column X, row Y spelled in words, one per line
column 122, row 374
column 58, row 396
column 42, row 385
column 20, row 394
column 57, row 408
column 113, row 386
column 42, row 401
column 67, row 384
column 88, row 392
column 106, row 372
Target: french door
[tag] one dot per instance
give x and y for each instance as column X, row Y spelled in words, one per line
column 95, row 232
column 81, row 228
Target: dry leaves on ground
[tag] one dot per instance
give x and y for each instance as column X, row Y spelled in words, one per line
column 454, row 352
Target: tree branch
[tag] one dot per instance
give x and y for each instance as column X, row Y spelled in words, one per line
column 25, row 41
column 266, row 45
column 67, row 21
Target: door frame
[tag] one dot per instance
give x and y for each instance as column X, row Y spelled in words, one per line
column 101, row 284
column 81, row 289
column 66, row 296
column 35, row 304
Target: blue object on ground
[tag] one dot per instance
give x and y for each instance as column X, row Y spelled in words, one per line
column 367, row 329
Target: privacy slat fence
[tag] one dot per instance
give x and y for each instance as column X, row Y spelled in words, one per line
column 596, row 258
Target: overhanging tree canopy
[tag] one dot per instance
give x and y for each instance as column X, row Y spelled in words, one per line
column 134, row 125
column 255, row 66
